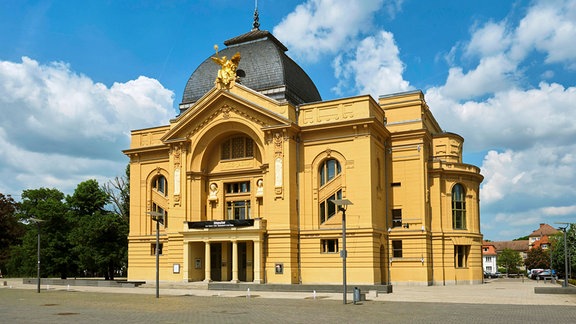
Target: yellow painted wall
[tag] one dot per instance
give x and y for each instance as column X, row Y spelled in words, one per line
column 395, row 140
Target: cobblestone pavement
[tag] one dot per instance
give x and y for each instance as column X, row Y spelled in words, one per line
column 498, row 301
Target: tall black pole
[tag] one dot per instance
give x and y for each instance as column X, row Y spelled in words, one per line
column 344, row 252
column 157, row 258
column 38, row 270
column 565, row 283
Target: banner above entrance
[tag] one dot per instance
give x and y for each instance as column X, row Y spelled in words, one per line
column 221, row 223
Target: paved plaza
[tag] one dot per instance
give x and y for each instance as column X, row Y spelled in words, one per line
column 497, row 301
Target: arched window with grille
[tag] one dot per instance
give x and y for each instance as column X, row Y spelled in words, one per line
column 458, row 207
column 237, row 147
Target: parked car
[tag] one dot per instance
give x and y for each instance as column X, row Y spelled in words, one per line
column 533, row 273
column 491, row 274
column 546, row 274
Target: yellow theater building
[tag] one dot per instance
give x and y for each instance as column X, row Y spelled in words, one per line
column 245, row 174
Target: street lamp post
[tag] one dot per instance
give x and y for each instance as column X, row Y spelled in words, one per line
column 37, row 221
column 158, row 218
column 342, row 205
column 565, row 283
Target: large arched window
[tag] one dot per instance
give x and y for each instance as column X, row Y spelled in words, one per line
column 329, row 170
column 237, row 147
column 458, row 207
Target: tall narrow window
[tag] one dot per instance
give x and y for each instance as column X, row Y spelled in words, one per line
column 329, row 170
column 237, row 147
column 397, row 249
column 327, row 208
column 160, row 184
column 458, row 207
column 237, row 195
column 397, row 217
column 461, row 256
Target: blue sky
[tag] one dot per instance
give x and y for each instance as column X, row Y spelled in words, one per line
column 77, row 76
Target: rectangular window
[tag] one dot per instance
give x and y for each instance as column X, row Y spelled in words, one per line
column 488, row 259
column 461, row 256
column 397, row 249
column 153, row 249
column 397, row 217
column 238, row 209
column 329, row 246
column 396, row 184
column 238, row 187
column 489, row 269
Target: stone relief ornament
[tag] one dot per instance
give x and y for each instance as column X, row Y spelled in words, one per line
column 213, row 194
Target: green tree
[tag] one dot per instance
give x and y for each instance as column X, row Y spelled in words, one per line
column 10, row 228
column 537, row 258
column 558, row 258
column 510, row 260
column 47, row 205
column 99, row 236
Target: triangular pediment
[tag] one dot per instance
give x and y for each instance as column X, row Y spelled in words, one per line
column 224, row 103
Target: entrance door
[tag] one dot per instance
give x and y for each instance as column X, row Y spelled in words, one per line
column 216, row 261
column 242, row 260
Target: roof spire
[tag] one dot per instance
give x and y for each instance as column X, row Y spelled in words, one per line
column 256, row 23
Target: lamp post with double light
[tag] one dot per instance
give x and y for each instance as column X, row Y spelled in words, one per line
column 342, row 205
column 158, row 218
column 564, row 229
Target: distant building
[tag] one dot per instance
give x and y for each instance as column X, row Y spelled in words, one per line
column 541, row 236
column 245, row 176
column 489, row 256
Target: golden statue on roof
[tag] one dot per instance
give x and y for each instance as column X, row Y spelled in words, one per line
column 227, row 72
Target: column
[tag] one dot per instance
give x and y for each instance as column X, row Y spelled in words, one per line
column 234, row 261
column 186, row 262
column 257, row 263
column 207, row 263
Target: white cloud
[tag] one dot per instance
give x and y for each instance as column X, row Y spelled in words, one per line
column 490, row 39
column 526, row 130
column 319, row 27
column 549, row 27
column 374, row 68
column 60, row 128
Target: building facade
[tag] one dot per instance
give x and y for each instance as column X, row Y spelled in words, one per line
column 489, row 255
column 245, row 175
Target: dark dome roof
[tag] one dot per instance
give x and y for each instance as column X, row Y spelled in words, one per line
column 264, row 67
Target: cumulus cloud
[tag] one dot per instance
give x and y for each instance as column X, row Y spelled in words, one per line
column 365, row 61
column 526, row 129
column 60, row 128
column 319, row 27
column 374, row 68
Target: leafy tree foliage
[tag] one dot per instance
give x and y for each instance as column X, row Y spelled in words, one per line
column 99, row 236
column 537, row 258
column 558, row 258
column 10, row 228
column 510, row 260
column 79, row 235
column 48, row 206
